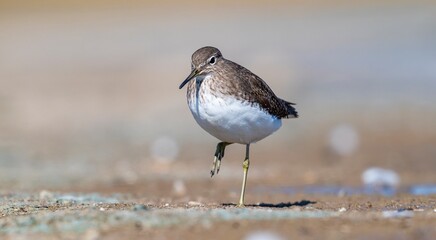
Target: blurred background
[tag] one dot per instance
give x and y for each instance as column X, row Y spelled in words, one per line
column 89, row 90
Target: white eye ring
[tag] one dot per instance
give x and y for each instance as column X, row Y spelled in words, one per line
column 212, row 60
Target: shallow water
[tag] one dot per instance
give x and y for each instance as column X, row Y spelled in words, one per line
column 419, row 189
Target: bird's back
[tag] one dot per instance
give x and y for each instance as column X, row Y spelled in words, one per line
column 253, row 89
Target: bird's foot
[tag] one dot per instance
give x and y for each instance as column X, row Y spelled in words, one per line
column 215, row 166
column 219, row 154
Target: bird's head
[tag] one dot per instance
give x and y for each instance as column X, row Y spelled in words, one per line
column 204, row 61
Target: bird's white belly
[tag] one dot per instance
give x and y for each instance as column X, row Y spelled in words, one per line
column 231, row 120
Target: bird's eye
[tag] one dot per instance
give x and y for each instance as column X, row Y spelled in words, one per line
column 212, row 60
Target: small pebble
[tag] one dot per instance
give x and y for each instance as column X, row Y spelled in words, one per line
column 194, row 203
column 342, row 209
column 344, row 139
column 179, row 187
column 44, row 195
column 102, row 209
column 164, row 149
column 381, row 181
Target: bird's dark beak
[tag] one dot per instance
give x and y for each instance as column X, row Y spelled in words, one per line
column 193, row 74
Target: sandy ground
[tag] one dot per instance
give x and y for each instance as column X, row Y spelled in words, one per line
column 154, row 210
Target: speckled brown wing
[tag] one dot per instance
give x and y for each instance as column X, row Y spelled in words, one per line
column 253, row 89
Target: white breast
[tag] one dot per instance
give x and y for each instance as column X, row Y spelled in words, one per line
column 232, row 120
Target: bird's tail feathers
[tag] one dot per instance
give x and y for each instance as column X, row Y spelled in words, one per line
column 292, row 112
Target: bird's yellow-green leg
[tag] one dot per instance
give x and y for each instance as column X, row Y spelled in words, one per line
column 219, row 154
column 245, row 166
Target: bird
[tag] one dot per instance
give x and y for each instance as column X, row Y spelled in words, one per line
column 232, row 104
